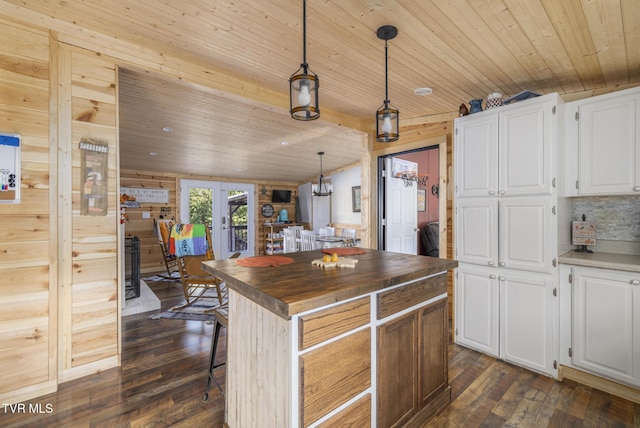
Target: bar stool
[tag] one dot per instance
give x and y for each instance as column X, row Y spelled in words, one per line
column 222, row 315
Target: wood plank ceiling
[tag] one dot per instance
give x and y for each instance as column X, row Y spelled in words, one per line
column 462, row 49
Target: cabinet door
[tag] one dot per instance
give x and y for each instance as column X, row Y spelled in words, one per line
column 477, row 155
column 525, row 145
column 477, row 231
column 397, row 371
column 609, row 145
column 477, row 306
column 606, row 323
column 528, row 314
column 526, row 234
column 433, row 355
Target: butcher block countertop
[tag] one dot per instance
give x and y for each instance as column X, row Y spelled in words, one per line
column 296, row 287
column 628, row 262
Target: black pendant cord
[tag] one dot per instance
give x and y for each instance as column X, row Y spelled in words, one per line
column 304, row 36
column 386, row 73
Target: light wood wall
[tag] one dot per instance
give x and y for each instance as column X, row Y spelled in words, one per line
column 134, row 225
column 89, row 309
column 27, row 273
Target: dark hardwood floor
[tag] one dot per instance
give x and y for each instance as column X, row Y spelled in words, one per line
column 163, row 375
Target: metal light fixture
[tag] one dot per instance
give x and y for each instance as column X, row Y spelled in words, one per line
column 304, row 83
column 322, row 188
column 387, row 116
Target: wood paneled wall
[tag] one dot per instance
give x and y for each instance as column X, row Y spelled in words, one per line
column 89, row 263
column 135, row 225
column 27, row 291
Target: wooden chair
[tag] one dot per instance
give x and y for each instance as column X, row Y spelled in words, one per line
column 289, row 240
column 163, row 229
column 349, row 237
column 196, row 281
column 307, row 240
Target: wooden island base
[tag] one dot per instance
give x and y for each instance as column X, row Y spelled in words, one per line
column 373, row 354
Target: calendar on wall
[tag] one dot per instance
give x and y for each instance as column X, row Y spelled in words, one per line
column 144, row 195
column 10, row 151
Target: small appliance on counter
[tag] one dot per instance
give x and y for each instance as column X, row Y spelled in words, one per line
column 583, row 233
column 283, row 216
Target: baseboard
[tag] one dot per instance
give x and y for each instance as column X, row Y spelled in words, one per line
column 597, row 382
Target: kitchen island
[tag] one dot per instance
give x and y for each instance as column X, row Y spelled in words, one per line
column 314, row 346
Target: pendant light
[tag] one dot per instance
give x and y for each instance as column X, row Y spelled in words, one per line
column 304, row 83
column 387, row 116
column 322, row 187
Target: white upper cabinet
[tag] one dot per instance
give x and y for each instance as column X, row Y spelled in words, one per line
column 507, row 151
column 514, row 233
column 607, row 130
column 477, row 151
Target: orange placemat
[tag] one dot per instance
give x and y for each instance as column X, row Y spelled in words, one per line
column 263, row 261
column 344, row 251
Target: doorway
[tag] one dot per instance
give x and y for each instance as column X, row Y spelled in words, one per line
column 426, row 206
column 226, row 208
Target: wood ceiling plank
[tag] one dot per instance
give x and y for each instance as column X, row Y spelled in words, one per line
column 604, row 20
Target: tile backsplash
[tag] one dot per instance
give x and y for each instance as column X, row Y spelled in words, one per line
column 617, row 217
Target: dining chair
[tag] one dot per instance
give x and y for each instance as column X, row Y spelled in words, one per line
column 349, row 237
column 290, row 245
column 307, row 240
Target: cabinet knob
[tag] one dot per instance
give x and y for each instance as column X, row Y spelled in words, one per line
column 492, row 192
column 635, row 282
column 492, row 276
column 636, row 189
column 502, row 192
column 491, row 263
column 502, row 278
column 502, row 264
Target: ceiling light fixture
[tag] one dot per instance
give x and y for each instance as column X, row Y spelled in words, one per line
column 387, row 116
column 167, row 129
column 304, row 83
column 422, row 92
column 322, row 188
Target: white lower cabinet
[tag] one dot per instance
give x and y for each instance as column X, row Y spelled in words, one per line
column 605, row 323
column 512, row 315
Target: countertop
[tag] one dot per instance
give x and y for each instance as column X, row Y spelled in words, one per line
column 627, row 262
column 289, row 289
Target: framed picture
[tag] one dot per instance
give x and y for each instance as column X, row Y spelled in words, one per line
column 355, row 198
column 422, row 199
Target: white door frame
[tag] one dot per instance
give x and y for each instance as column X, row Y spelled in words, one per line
column 219, row 199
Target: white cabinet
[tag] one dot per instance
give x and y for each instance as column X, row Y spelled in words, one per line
column 605, row 322
column 507, row 151
column 477, row 308
column 506, row 229
column 514, row 233
column 605, row 131
column 508, row 314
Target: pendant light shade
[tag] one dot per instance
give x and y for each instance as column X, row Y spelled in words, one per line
column 321, row 189
column 304, row 83
column 387, row 116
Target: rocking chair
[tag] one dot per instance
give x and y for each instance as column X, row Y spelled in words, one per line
column 195, row 281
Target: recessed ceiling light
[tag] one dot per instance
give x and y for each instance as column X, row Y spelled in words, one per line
column 153, row 153
column 167, row 129
column 423, row 91
column 284, row 143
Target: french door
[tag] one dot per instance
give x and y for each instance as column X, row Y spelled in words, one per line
column 228, row 208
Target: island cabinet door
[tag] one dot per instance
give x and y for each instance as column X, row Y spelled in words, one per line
column 433, row 352
column 397, row 371
column 412, row 366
